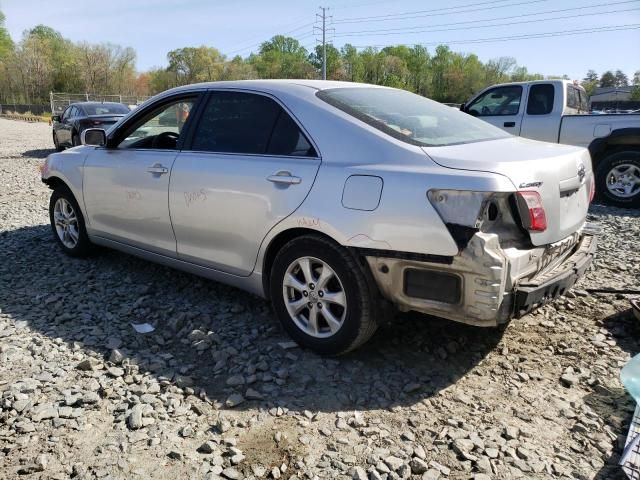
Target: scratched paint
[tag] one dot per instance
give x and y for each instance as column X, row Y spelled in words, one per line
column 308, row 222
column 133, row 195
column 195, row 196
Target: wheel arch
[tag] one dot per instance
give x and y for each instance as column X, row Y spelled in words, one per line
column 618, row 140
column 54, row 182
column 57, row 180
column 279, row 241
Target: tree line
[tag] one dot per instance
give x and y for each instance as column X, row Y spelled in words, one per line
column 44, row 61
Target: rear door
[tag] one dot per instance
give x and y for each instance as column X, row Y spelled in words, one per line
column 248, row 166
column 500, row 106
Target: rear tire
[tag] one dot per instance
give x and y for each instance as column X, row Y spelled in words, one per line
column 67, row 223
column 618, row 179
column 322, row 296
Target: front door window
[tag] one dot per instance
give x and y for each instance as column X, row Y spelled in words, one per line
column 161, row 129
column 499, row 101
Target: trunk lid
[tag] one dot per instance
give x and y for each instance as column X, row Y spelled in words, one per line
column 561, row 174
column 104, row 120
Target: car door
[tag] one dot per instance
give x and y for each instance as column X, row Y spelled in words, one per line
column 126, row 184
column 248, row 166
column 63, row 129
column 543, row 113
column 499, row 106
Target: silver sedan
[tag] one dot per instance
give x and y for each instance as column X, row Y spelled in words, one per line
column 339, row 202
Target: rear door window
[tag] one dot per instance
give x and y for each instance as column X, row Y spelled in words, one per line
column 573, row 97
column 540, row 99
column 250, row 124
column 287, row 139
column 497, row 102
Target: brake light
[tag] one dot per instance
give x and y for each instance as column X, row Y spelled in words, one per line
column 96, row 122
column 537, row 218
column 592, row 188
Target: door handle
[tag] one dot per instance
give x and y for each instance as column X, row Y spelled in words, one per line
column 284, row 177
column 509, row 124
column 157, row 169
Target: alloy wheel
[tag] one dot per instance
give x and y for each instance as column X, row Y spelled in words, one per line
column 314, row 297
column 66, row 223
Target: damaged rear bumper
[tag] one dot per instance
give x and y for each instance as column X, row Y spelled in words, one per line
column 484, row 285
column 542, row 288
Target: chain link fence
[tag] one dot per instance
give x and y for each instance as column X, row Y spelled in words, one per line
column 59, row 101
column 23, row 108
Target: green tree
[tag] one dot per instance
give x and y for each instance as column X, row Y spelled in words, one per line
column 635, row 89
column 352, row 63
column 282, row 57
column 199, row 64
column 590, row 82
column 608, row 79
column 6, row 44
column 334, row 62
column 621, row 79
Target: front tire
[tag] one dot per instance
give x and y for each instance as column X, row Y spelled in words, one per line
column 322, row 297
column 618, row 179
column 67, row 223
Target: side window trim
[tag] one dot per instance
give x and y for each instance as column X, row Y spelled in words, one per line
column 187, row 146
column 117, row 136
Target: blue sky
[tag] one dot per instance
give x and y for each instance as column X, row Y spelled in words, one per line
column 153, row 27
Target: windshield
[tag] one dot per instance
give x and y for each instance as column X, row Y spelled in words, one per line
column 410, row 117
column 105, row 109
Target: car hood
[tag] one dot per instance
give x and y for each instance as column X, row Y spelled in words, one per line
column 561, row 174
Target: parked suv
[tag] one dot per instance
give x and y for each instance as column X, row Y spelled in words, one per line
column 333, row 200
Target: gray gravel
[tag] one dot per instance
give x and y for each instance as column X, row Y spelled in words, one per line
column 218, row 391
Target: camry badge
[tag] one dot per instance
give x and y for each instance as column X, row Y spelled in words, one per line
column 530, row 185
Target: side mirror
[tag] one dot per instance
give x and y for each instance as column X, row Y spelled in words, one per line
column 462, row 105
column 55, row 118
column 94, row 136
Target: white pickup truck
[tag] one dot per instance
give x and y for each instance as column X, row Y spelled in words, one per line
column 557, row 111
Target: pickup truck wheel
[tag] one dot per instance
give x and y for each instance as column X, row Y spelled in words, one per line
column 67, row 223
column 321, row 296
column 618, row 179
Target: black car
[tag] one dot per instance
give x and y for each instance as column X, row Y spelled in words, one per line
column 80, row 116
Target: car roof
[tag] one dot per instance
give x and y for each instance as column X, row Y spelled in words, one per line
column 96, row 103
column 279, row 85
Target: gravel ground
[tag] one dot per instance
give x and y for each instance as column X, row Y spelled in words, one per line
column 218, row 391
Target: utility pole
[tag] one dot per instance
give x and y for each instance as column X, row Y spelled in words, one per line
column 324, row 41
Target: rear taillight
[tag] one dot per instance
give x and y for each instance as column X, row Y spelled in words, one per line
column 592, row 188
column 97, row 122
column 537, row 220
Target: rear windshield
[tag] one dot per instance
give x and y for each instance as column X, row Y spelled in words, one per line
column 102, row 109
column 410, row 117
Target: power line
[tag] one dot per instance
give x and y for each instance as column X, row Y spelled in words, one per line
column 249, row 47
column 404, row 32
column 432, row 13
column 561, row 33
column 405, row 29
